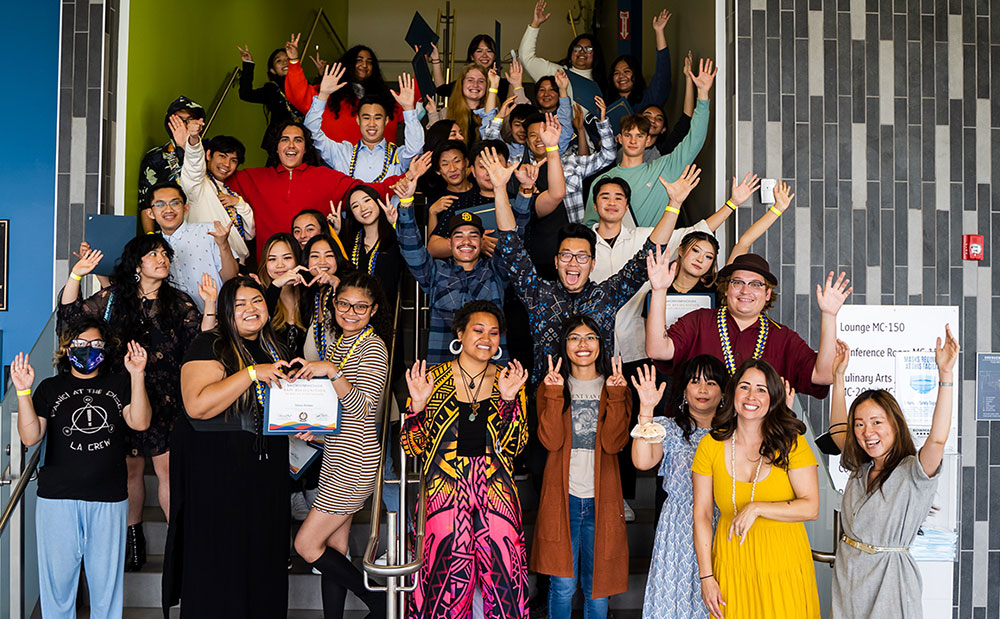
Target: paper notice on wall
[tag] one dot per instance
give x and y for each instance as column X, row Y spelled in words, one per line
column 916, row 389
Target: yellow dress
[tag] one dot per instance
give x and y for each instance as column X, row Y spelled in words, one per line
column 771, row 575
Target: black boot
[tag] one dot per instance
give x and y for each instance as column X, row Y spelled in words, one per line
column 339, row 572
column 135, row 548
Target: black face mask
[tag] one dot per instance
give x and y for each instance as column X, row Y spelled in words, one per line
column 85, row 358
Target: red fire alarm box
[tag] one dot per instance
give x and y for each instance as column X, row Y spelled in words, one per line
column 973, row 247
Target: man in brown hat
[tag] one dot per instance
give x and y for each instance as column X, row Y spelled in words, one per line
column 740, row 328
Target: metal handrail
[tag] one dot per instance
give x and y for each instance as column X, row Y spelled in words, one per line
column 304, row 50
column 225, row 92
column 18, row 492
column 830, row 557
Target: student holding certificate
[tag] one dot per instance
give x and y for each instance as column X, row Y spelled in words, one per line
column 355, row 359
column 229, row 481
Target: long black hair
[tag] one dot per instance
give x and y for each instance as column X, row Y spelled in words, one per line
column 598, row 70
column 127, row 315
column 374, row 84
column 602, row 363
column 379, row 321
column 274, row 77
column 707, row 367
column 474, row 45
column 352, row 227
column 638, row 81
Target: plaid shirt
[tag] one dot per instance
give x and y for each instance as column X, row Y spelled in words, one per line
column 549, row 303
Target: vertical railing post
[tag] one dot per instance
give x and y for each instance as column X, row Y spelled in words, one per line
column 16, row 527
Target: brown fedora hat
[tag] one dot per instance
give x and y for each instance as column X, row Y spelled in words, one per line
column 750, row 262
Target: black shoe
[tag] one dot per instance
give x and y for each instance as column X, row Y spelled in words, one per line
column 340, row 574
column 135, row 548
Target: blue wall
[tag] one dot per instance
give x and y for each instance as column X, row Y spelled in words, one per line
column 30, row 41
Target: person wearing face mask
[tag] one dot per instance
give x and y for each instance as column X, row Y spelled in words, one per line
column 142, row 305
column 206, row 169
column 227, row 547
column 465, row 421
column 583, row 419
column 740, row 329
column 163, row 163
column 82, row 485
column 627, row 82
column 292, row 181
column 364, row 76
column 672, row 587
column 756, row 467
column 889, row 493
column 374, row 156
column 271, row 94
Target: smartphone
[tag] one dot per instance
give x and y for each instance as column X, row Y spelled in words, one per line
column 513, row 55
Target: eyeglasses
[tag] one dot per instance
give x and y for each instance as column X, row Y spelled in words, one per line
column 358, row 308
column 81, row 343
column 739, row 284
column 565, row 257
column 576, row 339
column 176, row 202
column 580, row 48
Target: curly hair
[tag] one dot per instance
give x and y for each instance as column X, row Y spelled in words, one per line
column 780, row 428
column 854, row 456
column 373, row 85
column 461, row 319
column 311, row 155
column 73, row 329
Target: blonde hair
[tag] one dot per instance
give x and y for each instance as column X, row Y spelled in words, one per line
column 458, row 109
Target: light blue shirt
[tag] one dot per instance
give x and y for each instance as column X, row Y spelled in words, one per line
column 195, row 252
column 370, row 160
column 490, row 129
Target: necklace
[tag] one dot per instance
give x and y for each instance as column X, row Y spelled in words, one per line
column 328, row 354
column 756, row 475
column 145, row 293
column 474, row 404
column 727, row 347
column 389, row 158
column 258, row 387
column 319, row 329
column 356, row 253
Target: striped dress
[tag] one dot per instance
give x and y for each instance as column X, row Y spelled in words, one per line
column 350, row 458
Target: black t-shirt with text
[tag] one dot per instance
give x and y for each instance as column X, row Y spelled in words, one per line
column 84, row 437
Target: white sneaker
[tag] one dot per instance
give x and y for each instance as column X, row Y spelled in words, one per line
column 300, row 509
column 629, row 514
column 310, row 496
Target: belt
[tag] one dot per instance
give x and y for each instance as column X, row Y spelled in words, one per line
column 868, row 548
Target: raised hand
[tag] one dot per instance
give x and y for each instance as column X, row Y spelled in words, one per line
column 599, row 102
column 553, row 377
column 947, row 354
column 89, row 259
column 578, row 117
column 841, row 357
column 551, row 130
column 430, row 105
column 507, row 107
column 208, row 290
column 292, row 47
column 493, row 78
column 419, row 385
column 221, row 232
column 245, row 53
column 660, row 20
column 498, row 171
column 562, row 82
column 178, row 130
column 688, row 64
column 741, row 192
column 516, row 73
column 419, row 166
column 782, row 196
column 617, row 379
column 435, row 54
column 527, row 175
column 660, row 271
column 332, row 80
column 404, row 188
column 831, row 297
column 135, row 359
column 645, row 386
column 334, row 217
column 406, row 96
column 390, row 210
column 319, row 63
column 706, row 76
column 539, row 17
column 511, row 379
column 680, row 189
column 21, row 372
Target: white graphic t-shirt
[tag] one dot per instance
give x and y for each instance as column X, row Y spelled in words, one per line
column 585, row 398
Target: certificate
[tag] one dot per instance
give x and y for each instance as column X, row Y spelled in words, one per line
column 302, row 406
column 680, row 304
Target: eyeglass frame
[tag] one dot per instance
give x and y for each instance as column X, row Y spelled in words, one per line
column 566, row 257
column 756, row 285
column 352, row 307
column 82, row 343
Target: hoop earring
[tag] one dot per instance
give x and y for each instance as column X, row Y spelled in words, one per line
column 137, row 277
column 497, row 354
column 451, row 346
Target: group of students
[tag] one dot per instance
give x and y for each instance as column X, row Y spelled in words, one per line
column 554, row 220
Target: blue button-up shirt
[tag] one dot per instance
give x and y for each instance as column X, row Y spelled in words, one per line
column 195, row 252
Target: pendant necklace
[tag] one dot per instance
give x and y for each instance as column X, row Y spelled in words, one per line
column 474, row 404
column 756, row 475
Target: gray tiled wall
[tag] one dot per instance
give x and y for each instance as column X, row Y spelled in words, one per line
column 884, row 115
column 88, row 64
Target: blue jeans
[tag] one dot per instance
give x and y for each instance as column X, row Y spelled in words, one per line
column 562, row 589
column 71, row 532
column 390, row 493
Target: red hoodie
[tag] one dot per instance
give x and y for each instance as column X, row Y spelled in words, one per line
column 277, row 194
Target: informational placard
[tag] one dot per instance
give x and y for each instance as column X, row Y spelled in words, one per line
column 680, row 304
column 988, row 386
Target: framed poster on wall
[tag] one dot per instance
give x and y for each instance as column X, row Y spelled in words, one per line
column 4, row 261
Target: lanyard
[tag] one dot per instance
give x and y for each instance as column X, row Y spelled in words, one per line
column 356, row 253
column 727, row 347
column 390, row 157
column 329, row 352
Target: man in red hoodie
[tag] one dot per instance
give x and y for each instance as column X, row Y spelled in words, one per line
column 293, row 181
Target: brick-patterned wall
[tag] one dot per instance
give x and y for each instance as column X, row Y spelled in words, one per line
column 884, row 116
column 85, row 154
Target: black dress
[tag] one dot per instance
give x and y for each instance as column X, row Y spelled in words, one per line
column 272, row 96
column 227, row 546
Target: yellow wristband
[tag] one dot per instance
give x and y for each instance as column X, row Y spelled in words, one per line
column 406, row 200
column 75, row 276
column 252, row 372
column 519, row 88
column 21, row 392
column 498, row 119
column 550, row 149
column 670, row 209
column 494, row 90
column 775, row 210
column 730, row 204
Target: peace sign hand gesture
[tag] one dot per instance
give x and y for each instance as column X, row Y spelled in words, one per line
column 390, row 210
column 554, row 378
column 292, row 47
column 617, row 379
column 245, row 53
column 334, row 217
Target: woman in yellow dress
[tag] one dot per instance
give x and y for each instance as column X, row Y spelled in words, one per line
column 756, row 466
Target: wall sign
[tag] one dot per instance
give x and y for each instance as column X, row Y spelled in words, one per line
column 4, row 261
column 987, row 386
